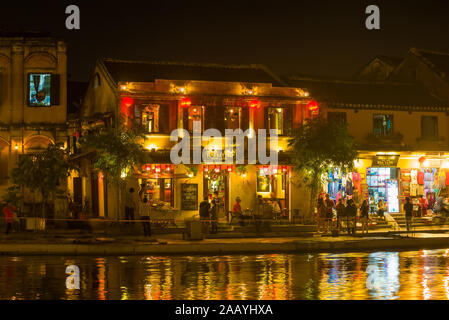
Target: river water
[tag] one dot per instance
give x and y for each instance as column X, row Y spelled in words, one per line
column 420, row 274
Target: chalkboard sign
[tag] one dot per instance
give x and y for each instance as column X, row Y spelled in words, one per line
column 189, row 196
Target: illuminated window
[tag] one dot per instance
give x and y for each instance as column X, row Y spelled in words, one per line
column 43, row 89
column 275, row 118
column 191, row 114
column 232, row 118
column 383, row 124
column 150, row 118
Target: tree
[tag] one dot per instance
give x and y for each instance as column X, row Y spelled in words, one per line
column 42, row 172
column 319, row 145
column 117, row 153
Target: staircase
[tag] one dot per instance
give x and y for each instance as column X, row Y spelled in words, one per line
column 417, row 221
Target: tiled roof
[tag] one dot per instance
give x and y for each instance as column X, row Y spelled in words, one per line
column 146, row 71
column 392, row 61
column 358, row 94
column 437, row 61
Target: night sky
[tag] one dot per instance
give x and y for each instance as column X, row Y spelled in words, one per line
column 315, row 37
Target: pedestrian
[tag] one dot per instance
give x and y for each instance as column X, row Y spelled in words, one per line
column 341, row 213
column 205, row 215
column 380, row 209
column 364, row 216
column 320, row 213
column 351, row 215
column 144, row 213
column 329, row 205
column 214, row 217
column 130, row 206
column 9, row 211
column 408, row 208
column 237, row 210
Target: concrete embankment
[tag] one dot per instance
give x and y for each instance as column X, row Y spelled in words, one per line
column 230, row 246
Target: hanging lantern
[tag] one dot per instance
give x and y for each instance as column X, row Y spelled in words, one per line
column 422, row 159
column 186, row 102
column 206, row 168
column 127, row 101
column 217, row 169
column 158, row 169
column 254, row 104
column 284, row 169
column 313, row 106
column 168, row 168
column 229, row 168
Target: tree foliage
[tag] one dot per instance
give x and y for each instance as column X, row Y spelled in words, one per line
column 42, row 172
column 320, row 145
column 117, row 153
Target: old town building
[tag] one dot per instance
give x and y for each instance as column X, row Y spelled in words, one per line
column 33, row 108
column 167, row 96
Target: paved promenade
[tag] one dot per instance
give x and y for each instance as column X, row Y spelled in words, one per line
column 167, row 244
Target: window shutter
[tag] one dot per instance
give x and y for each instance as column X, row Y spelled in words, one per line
column 55, row 89
column 209, row 117
column 164, row 124
column 173, row 116
column 219, row 119
column 288, row 119
column 244, row 121
column 265, row 111
column 185, row 119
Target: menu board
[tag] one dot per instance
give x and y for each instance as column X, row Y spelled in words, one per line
column 189, row 196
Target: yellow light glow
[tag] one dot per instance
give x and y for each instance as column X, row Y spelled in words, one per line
column 445, row 164
column 123, row 87
column 152, row 146
column 358, row 163
column 425, row 163
column 16, row 147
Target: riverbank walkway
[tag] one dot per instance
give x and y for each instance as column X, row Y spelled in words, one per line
column 69, row 243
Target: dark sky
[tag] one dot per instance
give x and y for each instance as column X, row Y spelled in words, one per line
column 319, row 37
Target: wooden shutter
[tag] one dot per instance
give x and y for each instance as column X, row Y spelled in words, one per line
column 288, row 119
column 173, row 116
column 244, row 121
column 219, row 118
column 209, row 117
column 164, row 121
column 185, row 119
column 55, row 89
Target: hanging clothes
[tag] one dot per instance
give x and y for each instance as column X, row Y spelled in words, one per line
column 420, row 177
column 357, row 180
column 413, row 176
column 349, row 187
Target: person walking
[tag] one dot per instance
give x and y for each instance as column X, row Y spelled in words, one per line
column 408, row 208
column 329, row 204
column 351, row 215
column 341, row 213
column 205, row 215
column 214, row 217
column 130, row 206
column 9, row 211
column 144, row 213
column 364, row 216
column 320, row 213
column 380, row 209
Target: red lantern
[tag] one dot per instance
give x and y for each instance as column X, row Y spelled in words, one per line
column 254, row 104
column 127, row 101
column 284, row 169
column 229, row 168
column 422, row 159
column 186, row 102
column 217, row 169
column 206, row 169
column 313, row 106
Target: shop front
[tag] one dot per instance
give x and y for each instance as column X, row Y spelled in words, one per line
column 273, row 183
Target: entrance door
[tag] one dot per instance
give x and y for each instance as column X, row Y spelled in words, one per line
column 216, row 185
column 77, row 191
column 95, row 202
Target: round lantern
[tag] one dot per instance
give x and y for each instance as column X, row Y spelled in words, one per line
column 422, row 159
column 186, row 102
column 254, row 103
column 127, row 101
column 313, row 105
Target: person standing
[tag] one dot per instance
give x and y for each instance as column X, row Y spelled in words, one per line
column 364, row 216
column 351, row 215
column 320, row 213
column 214, row 217
column 144, row 213
column 205, row 215
column 341, row 212
column 130, row 206
column 8, row 211
column 408, row 208
column 380, row 209
column 329, row 204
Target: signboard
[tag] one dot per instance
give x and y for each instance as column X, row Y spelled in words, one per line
column 189, row 196
column 385, row 161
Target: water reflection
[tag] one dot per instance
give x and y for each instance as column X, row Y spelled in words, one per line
column 379, row 275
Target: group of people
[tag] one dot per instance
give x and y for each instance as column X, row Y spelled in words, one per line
column 209, row 215
column 143, row 207
column 346, row 215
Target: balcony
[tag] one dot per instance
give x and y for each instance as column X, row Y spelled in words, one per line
column 394, row 142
